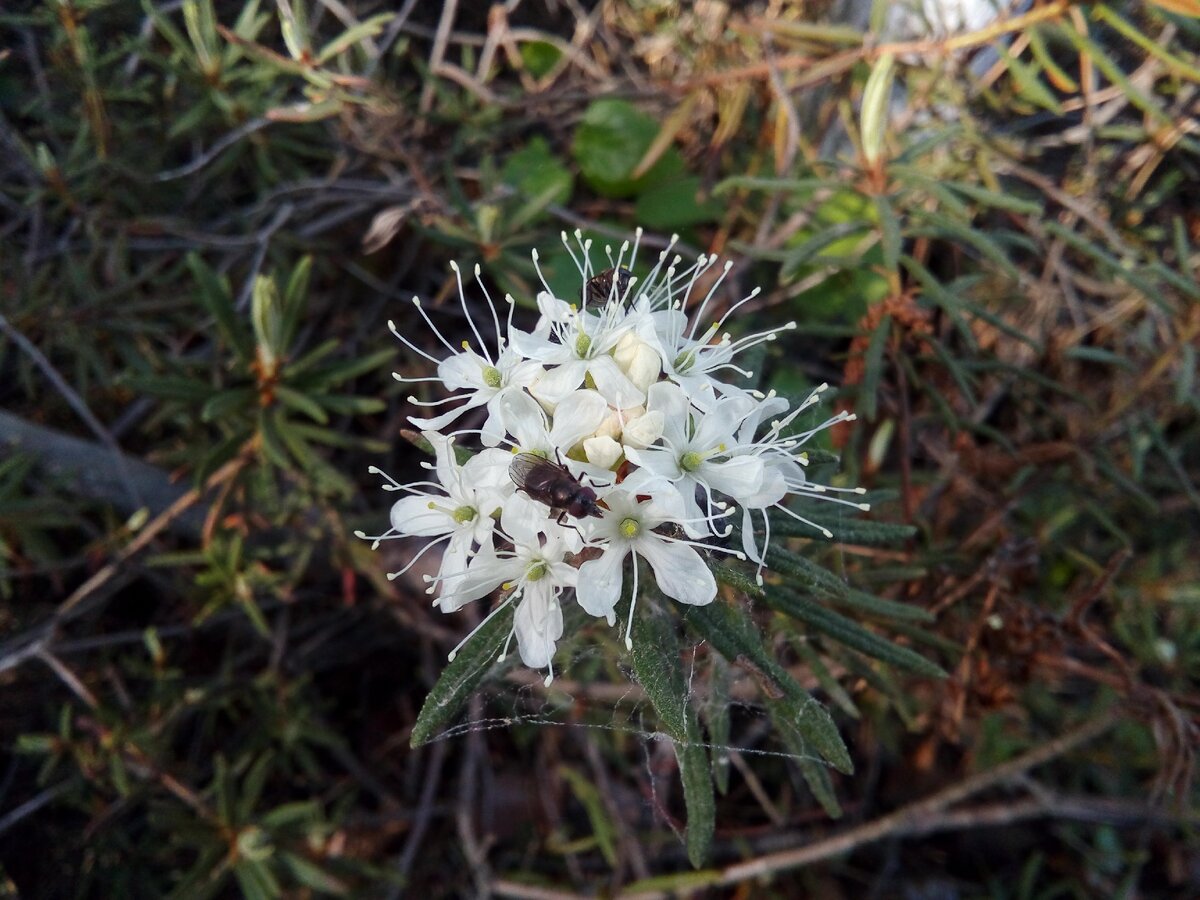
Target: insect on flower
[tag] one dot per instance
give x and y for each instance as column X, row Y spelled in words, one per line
column 552, row 483
column 611, row 284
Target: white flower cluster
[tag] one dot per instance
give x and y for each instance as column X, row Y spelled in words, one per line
column 609, row 435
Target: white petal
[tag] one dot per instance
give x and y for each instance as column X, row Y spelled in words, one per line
column 535, row 346
column 494, row 427
column 560, row 380
column 655, row 460
column 599, row 586
column 487, row 469
column 485, row 573
column 749, row 539
column 773, row 489
column 613, row 384
column 462, row 371
column 644, row 430
column 523, row 519
column 453, row 571
column 538, row 623
column 578, row 415
column 433, row 424
column 412, row 516
column 602, row 451
column 741, row 476
column 526, row 422
column 666, row 398
column 680, row 572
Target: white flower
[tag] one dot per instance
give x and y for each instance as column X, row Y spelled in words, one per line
column 534, row 573
column 484, row 379
column 696, row 453
column 575, row 343
column 626, row 390
column 457, row 509
column 689, row 356
column 627, row 527
column 783, row 470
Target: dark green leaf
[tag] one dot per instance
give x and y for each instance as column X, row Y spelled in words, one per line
column 676, row 203
column 658, row 669
column 312, row 876
column 848, row 632
column 214, row 293
column 731, row 632
column 610, row 142
column 462, row 676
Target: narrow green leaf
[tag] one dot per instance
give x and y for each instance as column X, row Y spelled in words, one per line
column 462, row 675
column 806, row 573
column 603, row 828
column 732, row 633
column 312, row 876
column 223, row 404
column 889, row 233
column 876, row 101
column 300, row 811
column 848, row 632
column 863, row 532
column 658, row 669
column 169, row 387
column 337, row 372
column 816, row 775
column 1027, row 82
column 959, row 231
column 1114, row 73
column 880, row 607
column 354, row 35
column 273, row 445
column 349, row 405
column 266, row 316
column 1046, row 60
column 868, row 392
column 718, row 720
column 996, row 200
column 821, row 672
column 255, row 880
column 301, row 403
column 294, row 300
column 214, row 293
column 252, row 786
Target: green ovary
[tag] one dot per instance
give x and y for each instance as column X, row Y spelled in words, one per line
column 536, row 572
column 630, row 528
column 492, row 377
column 690, row 461
column 465, row 514
column 583, row 344
column 684, row 361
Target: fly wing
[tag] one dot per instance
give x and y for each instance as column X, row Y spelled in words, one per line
column 524, row 469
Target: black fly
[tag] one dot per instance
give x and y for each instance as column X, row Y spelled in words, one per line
column 600, row 287
column 552, row 483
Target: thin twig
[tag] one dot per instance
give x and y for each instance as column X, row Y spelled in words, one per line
column 438, row 52
column 76, row 403
column 219, row 147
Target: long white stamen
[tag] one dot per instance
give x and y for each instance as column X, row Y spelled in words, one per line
column 453, row 653
column 462, row 299
column 633, row 597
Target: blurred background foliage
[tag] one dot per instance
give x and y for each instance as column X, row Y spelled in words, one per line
column 987, row 235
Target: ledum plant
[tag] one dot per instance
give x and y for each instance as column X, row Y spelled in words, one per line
column 611, row 463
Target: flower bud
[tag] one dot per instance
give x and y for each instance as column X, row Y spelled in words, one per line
column 638, row 360
column 602, row 451
column 644, row 430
